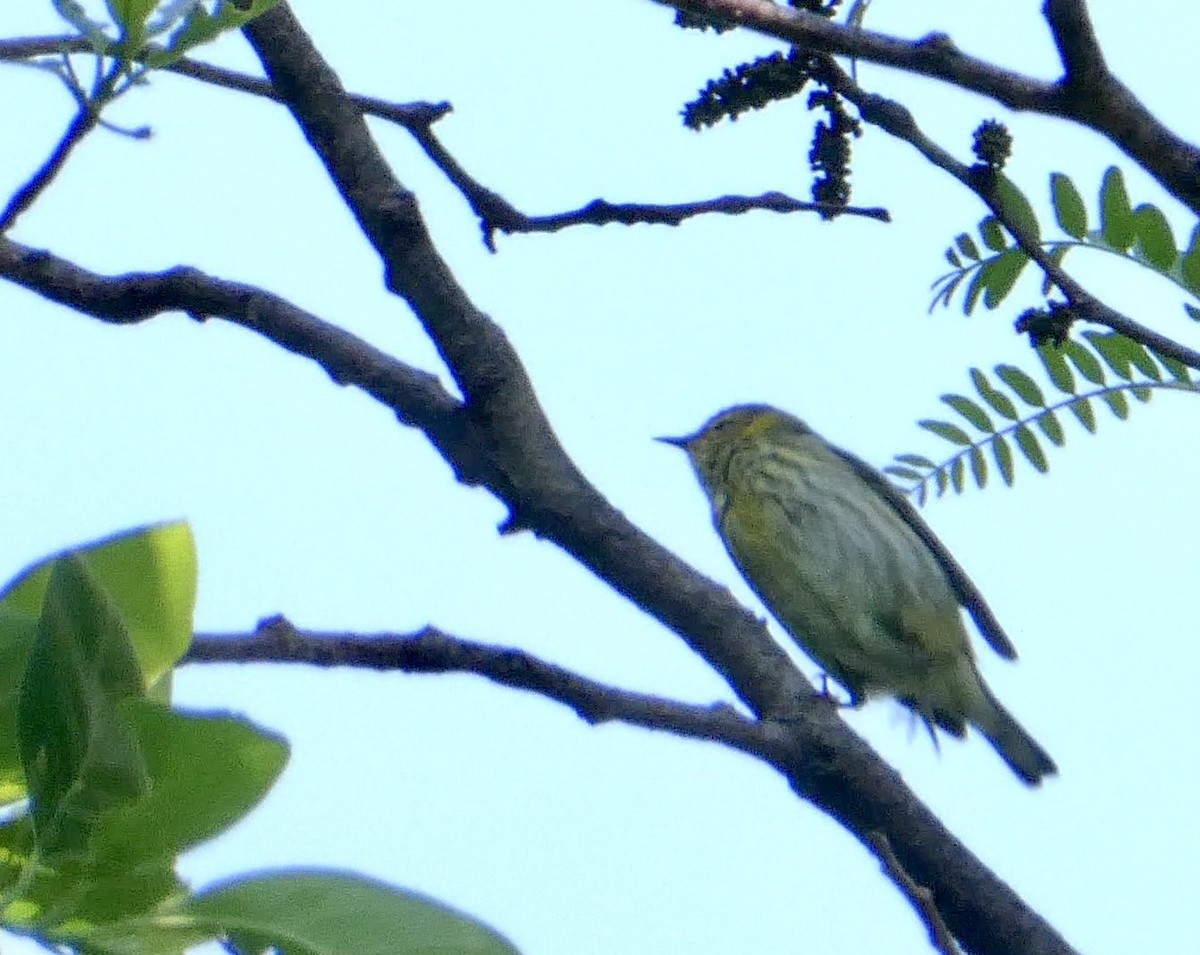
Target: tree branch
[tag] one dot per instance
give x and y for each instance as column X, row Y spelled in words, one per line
column 1104, row 104
column 86, row 118
column 495, row 213
column 896, row 120
column 1078, row 49
column 416, row 396
column 431, row 650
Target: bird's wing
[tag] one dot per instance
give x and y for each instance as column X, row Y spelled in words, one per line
column 964, row 588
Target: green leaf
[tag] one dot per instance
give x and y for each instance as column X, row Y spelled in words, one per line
column 942, row 479
column 902, row 472
column 1004, row 459
column 153, row 935
column 93, row 30
column 967, row 246
column 992, row 234
column 975, row 288
column 150, row 573
column 330, row 913
column 1144, row 361
column 971, row 411
column 1001, row 274
column 80, row 758
column 1084, row 361
column 916, row 460
column 1082, row 409
column 1025, row 387
column 131, row 17
column 1028, row 443
column 207, row 772
column 997, row 399
column 1069, row 208
column 1057, row 369
column 1051, row 427
column 1110, row 345
column 1176, row 369
column 17, row 632
column 1116, row 216
column 979, row 468
column 957, row 472
column 946, row 430
column 199, row 27
column 1192, row 312
column 953, row 259
column 1123, row 354
column 1142, row 393
column 1117, row 403
column 1017, row 208
column 1189, row 267
column 1155, row 240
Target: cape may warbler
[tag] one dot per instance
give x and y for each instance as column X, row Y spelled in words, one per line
column 852, row 572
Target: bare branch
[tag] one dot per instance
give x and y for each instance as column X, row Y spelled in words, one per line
column 497, row 214
column 86, row 118
column 1104, row 104
column 1078, row 49
column 416, row 396
column 431, row 650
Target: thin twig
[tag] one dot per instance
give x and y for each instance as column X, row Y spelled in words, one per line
column 86, row 118
column 415, row 115
column 918, row 896
column 497, row 214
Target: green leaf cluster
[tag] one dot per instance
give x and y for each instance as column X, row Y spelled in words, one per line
column 987, row 269
column 141, row 24
column 105, row 784
column 1010, row 412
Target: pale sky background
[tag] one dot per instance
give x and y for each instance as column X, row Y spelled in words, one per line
column 307, row 499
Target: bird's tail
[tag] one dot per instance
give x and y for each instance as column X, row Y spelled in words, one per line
column 1016, row 747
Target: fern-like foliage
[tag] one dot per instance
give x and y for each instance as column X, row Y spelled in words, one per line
column 1010, row 409
column 1141, row 235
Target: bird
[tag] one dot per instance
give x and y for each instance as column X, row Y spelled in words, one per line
column 854, row 574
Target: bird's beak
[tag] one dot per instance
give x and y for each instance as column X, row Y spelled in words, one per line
column 677, row 442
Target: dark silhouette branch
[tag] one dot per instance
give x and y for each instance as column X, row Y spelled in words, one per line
column 86, row 119
column 1088, row 94
column 1078, row 49
column 416, row 396
column 495, row 213
column 431, row 650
